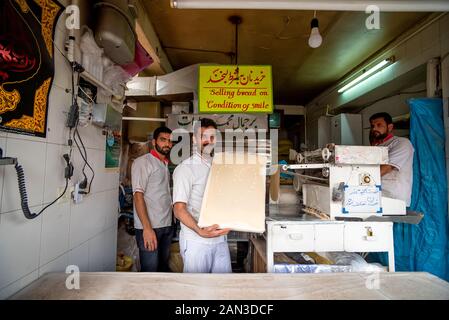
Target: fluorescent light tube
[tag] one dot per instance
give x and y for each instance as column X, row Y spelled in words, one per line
column 321, row 5
column 366, row 74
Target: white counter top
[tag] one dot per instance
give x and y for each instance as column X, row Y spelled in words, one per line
column 238, row 286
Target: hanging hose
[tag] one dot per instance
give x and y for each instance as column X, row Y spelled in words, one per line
column 24, row 197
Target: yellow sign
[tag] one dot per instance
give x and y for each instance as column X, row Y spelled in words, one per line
column 235, row 89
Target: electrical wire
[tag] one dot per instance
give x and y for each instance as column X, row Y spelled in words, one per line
column 75, row 135
column 83, row 153
column 24, row 196
column 75, row 132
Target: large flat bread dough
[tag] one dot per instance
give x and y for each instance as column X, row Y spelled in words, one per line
column 235, row 193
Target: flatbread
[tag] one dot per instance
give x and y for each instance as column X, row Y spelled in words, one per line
column 235, row 193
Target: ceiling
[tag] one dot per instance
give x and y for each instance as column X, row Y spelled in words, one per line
column 278, row 38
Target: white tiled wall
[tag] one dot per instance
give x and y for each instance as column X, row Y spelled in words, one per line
column 79, row 256
column 55, row 232
column 65, row 234
column 31, row 156
column 19, row 246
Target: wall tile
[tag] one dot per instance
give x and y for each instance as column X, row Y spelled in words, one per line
column 93, row 137
column 25, row 137
column 79, row 256
column 97, row 218
column 31, row 155
column 57, row 265
column 59, row 106
column 110, row 249
column 63, row 71
column 16, row 286
column 2, row 170
column 19, row 246
column 80, row 221
column 97, row 253
column 54, row 171
column 55, row 232
column 111, row 207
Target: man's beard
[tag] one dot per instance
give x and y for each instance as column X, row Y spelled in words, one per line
column 164, row 151
column 379, row 137
column 208, row 150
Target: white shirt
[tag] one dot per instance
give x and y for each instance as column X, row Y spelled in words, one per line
column 151, row 176
column 189, row 183
column 398, row 183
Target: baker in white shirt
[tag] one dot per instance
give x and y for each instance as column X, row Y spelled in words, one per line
column 203, row 250
column 397, row 175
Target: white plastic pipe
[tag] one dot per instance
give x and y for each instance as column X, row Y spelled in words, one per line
column 144, row 119
column 384, row 5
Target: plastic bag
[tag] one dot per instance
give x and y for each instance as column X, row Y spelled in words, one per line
column 354, row 260
column 92, row 55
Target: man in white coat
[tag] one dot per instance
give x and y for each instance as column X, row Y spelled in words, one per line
column 204, row 250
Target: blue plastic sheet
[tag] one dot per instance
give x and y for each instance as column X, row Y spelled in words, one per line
column 425, row 247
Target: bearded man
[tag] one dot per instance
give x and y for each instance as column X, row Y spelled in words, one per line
column 153, row 220
column 397, row 175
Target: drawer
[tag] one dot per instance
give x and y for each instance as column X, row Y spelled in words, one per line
column 329, row 237
column 292, row 238
column 368, row 236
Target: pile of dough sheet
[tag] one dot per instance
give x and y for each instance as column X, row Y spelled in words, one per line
column 235, row 193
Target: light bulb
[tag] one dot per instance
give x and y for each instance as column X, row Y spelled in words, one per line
column 315, row 38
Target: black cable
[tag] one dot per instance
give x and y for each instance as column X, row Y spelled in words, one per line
column 84, row 156
column 76, row 133
column 24, row 197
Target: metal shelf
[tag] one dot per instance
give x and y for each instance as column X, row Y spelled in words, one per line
column 168, row 98
column 90, row 78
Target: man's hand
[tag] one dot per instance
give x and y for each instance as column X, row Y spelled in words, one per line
column 386, row 168
column 212, row 231
column 149, row 239
column 186, row 218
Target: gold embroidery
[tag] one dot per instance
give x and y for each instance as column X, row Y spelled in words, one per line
column 37, row 122
column 8, row 100
column 49, row 12
column 23, row 5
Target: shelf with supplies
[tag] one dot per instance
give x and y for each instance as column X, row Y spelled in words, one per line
column 90, row 78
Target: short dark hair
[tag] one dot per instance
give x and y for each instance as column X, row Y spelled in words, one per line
column 160, row 130
column 206, row 123
column 384, row 115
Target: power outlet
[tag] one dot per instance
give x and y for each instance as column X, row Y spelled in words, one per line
column 67, row 196
column 77, row 196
